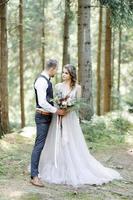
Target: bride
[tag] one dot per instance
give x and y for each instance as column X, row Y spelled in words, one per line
column 65, row 158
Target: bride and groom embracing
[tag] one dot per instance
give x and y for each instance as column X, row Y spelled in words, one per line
column 62, row 157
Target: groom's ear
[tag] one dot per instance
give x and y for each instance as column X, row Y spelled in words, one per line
column 55, row 68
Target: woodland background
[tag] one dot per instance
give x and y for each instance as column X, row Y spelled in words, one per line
column 97, row 37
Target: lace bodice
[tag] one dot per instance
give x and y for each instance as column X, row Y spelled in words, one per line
column 74, row 93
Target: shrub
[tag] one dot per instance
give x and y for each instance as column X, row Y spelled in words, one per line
column 112, row 127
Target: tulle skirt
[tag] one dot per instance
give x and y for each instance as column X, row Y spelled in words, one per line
column 65, row 158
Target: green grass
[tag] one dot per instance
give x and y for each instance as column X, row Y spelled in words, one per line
column 32, row 196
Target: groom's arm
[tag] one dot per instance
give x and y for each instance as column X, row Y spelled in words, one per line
column 41, row 87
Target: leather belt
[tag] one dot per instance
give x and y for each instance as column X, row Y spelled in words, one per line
column 43, row 112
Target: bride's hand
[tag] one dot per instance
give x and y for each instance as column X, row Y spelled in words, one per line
column 61, row 112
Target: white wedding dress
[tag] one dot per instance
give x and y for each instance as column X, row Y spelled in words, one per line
column 65, row 158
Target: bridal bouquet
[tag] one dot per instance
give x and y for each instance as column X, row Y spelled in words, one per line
column 64, row 102
column 68, row 103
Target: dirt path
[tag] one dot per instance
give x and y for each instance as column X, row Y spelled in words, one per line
column 14, row 179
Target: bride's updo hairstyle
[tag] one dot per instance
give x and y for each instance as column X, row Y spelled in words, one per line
column 72, row 71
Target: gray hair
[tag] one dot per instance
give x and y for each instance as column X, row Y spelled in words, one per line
column 51, row 63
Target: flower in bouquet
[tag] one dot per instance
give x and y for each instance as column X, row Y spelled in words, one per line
column 69, row 103
column 63, row 102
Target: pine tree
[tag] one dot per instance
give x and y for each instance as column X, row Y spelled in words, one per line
column 99, row 62
column 4, row 120
column 107, row 65
column 85, row 57
column 66, row 34
column 21, row 62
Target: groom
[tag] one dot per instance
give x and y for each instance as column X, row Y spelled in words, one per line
column 43, row 116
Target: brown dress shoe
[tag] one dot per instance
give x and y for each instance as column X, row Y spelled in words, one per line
column 37, row 182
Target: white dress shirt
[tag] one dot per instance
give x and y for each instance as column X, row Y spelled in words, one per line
column 41, row 86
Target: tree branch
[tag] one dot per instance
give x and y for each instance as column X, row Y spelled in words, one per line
column 4, row 2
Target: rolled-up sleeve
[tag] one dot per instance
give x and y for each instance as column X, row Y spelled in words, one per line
column 41, row 87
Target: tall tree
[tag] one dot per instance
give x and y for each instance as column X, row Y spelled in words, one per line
column 121, row 11
column 66, row 33
column 80, row 38
column 107, row 65
column 85, row 57
column 113, row 69
column 4, row 119
column 99, row 51
column 21, row 62
column 119, row 66
column 43, row 33
column 121, row 15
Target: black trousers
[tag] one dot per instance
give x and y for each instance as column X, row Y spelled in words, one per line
column 42, row 127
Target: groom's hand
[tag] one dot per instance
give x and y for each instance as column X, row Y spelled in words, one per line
column 61, row 112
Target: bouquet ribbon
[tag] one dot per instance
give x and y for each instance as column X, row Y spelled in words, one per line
column 57, row 137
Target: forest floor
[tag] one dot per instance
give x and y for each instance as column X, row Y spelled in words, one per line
column 15, row 152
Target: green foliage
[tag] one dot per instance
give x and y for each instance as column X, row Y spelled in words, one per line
column 110, row 128
column 121, row 11
column 2, row 169
column 94, row 129
column 120, row 124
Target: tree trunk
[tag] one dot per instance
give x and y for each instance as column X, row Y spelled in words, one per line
column 80, row 38
column 85, row 62
column 43, row 34
column 99, row 63
column 4, row 119
column 21, row 60
column 66, row 34
column 107, row 66
column 113, row 70
column 119, row 67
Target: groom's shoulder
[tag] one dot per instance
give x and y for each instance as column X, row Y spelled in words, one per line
column 40, row 80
